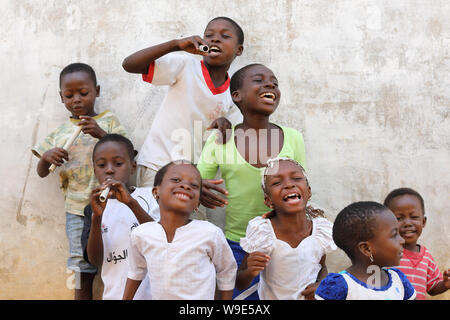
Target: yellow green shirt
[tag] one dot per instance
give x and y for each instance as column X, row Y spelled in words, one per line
column 77, row 177
column 242, row 180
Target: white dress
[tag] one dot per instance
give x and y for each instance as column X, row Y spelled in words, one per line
column 289, row 270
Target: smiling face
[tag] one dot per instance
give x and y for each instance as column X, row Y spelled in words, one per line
column 259, row 92
column 408, row 211
column 223, row 43
column 78, row 93
column 179, row 189
column 387, row 245
column 112, row 161
column 286, row 188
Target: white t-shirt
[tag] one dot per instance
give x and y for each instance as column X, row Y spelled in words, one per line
column 192, row 103
column 289, row 270
column 117, row 223
column 187, row 268
column 345, row 286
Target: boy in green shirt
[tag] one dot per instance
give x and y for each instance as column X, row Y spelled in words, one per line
column 241, row 160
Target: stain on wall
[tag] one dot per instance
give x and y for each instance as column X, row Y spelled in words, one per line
column 366, row 82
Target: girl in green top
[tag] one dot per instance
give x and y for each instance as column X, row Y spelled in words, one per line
column 241, row 160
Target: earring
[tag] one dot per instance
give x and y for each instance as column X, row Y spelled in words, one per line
column 371, row 257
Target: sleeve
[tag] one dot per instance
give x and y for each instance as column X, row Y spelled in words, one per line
column 333, row 287
column 300, row 153
column 116, row 127
column 434, row 275
column 224, row 263
column 324, row 230
column 137, row 267
column 86, row 230
column 258, row 236
column 48, row 143
column 410, row 292
column 207, row 164
column 166, row 70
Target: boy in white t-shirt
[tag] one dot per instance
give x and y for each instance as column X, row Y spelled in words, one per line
column 198, row 94
column 108, row 225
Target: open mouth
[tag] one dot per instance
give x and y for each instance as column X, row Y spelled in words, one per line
column 292, row 198
column 214, row 49
column 182, row 196
column 268, row 96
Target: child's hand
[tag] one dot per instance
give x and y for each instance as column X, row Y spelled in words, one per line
column 210, row 199
column 310, row 290
column 446, row 279
column 55, row 156
column 191, row 45
column 97, row 206
column 90, row 126
column 257, row 262
column 120, row 191
column 223, row 125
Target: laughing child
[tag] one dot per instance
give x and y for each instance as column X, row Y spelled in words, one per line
column 254, row 89
column 185, row 259
column 417, row 262
column 289, row 247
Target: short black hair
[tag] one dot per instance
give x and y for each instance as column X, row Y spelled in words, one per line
column 163, row 170
column 401, row 192
column 78, row 67
column 119, row 139
column 238, row 77
column 237, row 27
column 356, row 223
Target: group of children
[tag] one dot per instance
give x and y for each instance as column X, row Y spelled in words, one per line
column 144, row 239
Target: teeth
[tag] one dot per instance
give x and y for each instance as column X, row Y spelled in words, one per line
column 268, row 95
column 181, row 196
column 292, row 195
column 214, row 48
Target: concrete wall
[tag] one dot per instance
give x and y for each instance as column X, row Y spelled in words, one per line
column 367, row 82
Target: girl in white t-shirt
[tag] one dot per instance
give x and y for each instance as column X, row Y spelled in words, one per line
column 288, row 246
column 185, row 259
column 108, row 224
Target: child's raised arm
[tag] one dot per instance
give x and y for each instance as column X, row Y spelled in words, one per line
column 95, row 242
column 140, row 61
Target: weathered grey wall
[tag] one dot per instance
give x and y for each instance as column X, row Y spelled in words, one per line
column 367, row 82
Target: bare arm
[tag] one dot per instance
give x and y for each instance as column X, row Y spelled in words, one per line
column 251, row 266
column 442, row 286
column 140, row 61
column 95, row 242
column 54, row 156
column 225, row 295
column 131, row 287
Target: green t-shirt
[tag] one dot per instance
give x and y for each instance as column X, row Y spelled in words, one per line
column 77, row 177
column 242, row 180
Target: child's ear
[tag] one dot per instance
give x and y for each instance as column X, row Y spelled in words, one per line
column 364, row 248
column 236, row 96
column 62, row 99
column 133, row 167
column 267, row 201
column 97, row 89
column 155, row 192
column 239, row 50
column 424, row 221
